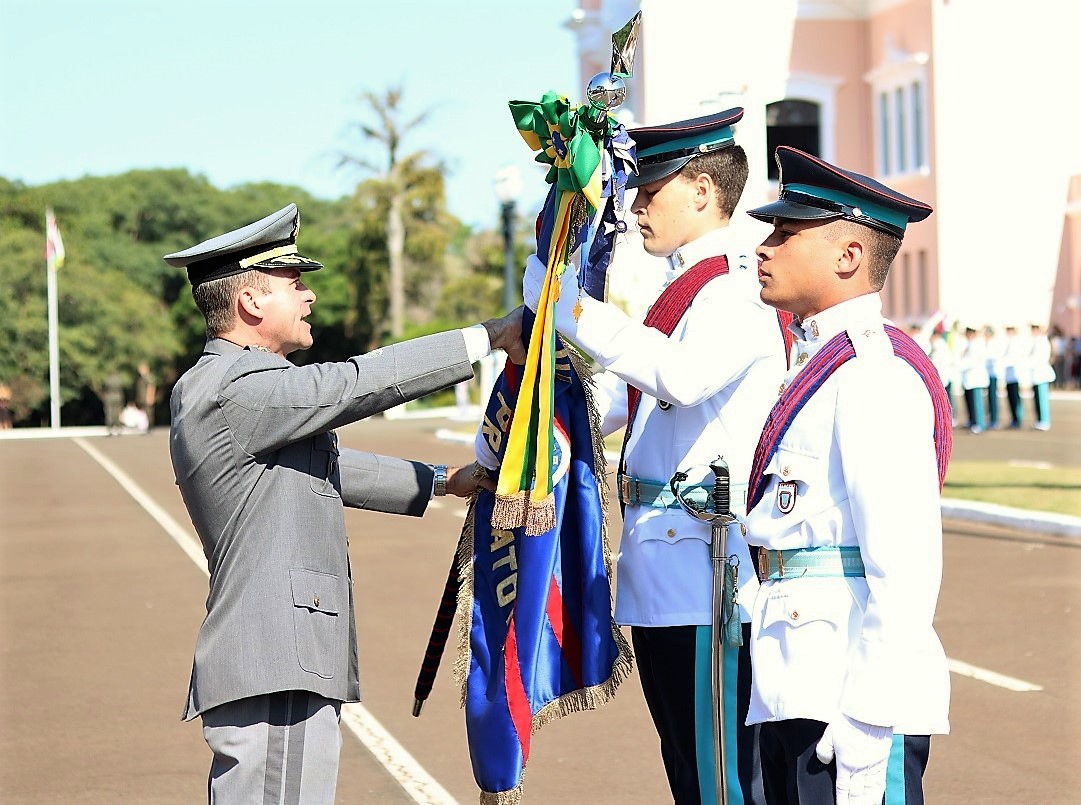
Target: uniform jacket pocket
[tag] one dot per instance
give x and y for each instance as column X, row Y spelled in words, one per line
column 316, row 620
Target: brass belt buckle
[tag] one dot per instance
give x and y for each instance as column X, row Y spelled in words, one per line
column 625, row 488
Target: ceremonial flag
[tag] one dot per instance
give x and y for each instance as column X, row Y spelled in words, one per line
column 54, row 246
column 537, row 634
column 589, row 153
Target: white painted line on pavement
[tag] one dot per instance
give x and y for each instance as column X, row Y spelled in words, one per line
column 402, row 766
column 991, row 677
column 181, row 535
column 420, row 785
column 1031, row 465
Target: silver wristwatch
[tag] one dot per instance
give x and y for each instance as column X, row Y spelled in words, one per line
column 440, row 480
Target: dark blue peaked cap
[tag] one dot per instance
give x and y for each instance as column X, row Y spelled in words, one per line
column 662, row 150
column 813, row 189
column 268, row 243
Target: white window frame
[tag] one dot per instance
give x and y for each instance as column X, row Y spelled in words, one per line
column 904, row 75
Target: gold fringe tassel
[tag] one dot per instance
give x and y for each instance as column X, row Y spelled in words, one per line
column 541, row 516
column 465, row 599
column 510, row 511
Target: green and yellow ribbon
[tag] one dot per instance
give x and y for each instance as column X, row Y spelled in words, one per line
column 563, row 138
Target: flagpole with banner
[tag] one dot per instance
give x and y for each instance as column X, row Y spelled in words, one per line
column 54, row 259
column 537, row 640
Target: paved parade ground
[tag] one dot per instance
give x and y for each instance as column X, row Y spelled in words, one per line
column 102, row 590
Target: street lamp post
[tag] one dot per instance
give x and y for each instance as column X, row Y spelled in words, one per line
column 508, row 186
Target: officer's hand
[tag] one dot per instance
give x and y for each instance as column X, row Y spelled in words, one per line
column 862, row 752
column 464, row 481
column 506, row 334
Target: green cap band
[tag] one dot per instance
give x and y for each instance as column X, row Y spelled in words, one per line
column 711, row 137
column 868, row 208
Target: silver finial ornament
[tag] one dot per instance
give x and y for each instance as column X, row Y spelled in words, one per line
column 607, row 91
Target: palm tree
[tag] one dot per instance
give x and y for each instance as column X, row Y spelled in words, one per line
column 389, row 130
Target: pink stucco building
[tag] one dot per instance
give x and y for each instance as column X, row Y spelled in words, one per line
column 948, row 101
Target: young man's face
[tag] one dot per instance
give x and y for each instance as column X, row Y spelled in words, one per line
column 289, row 302
column 796, row 266
column 665, row 210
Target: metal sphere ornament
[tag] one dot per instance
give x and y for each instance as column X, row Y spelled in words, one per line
column 606, row 91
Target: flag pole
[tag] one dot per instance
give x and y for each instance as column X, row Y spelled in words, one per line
column 54, row 350
column 54, row 258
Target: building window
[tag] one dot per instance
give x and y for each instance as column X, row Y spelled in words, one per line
column 918, row 156
column 899, row 87
column 903, row 304
column 792, row 122
column 884, row 134
column 902, row 131
column 924, row 280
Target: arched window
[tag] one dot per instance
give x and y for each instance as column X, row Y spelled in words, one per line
column 795, row 123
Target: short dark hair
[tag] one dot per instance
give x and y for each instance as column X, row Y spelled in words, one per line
column 881, row 248
column 727, row 167
column 216, row 298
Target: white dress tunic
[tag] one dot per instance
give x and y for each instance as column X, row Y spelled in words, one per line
column 719, row 371
column 862, row 458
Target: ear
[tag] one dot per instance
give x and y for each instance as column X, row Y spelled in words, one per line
column 703, row 191
column 248, row 303
column 850, row 257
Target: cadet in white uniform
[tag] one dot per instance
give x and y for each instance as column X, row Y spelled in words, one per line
column 705, row 392
column 849, row 677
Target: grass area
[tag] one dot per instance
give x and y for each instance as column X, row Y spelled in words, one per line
column 1055, row 489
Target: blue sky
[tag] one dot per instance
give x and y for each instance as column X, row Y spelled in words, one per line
column 242, row 91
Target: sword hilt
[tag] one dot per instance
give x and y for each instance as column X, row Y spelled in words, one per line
column 722, row 487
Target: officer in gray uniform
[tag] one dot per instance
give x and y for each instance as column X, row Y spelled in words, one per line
column 264, row 480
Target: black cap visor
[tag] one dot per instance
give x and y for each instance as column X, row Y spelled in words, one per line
column 651, row 172
column 790, row 209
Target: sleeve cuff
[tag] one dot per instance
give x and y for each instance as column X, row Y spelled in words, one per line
column 477, row 345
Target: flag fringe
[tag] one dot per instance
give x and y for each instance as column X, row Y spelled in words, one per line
column 511, row 797
column 511, row 511
column 540, row 516
column 465, row 600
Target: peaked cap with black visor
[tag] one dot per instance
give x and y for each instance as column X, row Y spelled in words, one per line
column 660, row 151
column 268, row 243
column 812, row 189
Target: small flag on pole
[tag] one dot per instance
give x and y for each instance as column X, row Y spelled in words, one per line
column 54, row 246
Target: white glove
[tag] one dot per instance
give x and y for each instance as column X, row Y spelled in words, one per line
column 533, row 282
column 862, row 752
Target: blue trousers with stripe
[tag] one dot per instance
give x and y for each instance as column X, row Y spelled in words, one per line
column 674, row 666
column 792, row 772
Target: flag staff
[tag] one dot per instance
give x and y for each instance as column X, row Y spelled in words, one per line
column 54, row 258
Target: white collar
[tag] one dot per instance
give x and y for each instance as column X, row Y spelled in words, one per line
column 711, row 244
column 858, row 311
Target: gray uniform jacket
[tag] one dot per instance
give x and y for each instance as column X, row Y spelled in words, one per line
column 264, row 481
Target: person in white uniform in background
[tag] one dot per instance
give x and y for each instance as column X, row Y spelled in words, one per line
column 705, row 391
column 849, row 679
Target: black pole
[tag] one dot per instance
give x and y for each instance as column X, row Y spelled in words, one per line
column 510, row 293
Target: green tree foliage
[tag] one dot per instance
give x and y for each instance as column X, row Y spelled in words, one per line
column 403, row 201
column 120, row 304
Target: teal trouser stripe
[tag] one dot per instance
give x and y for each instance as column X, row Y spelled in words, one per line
column 703, row 717
column 895, row 773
